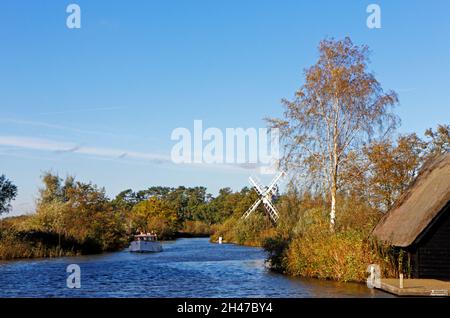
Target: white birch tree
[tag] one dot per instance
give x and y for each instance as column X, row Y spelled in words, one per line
column 339, row 107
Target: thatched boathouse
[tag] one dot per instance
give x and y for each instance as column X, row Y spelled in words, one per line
column 419, row 223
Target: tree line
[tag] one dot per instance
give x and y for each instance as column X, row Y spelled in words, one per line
column 75, row 217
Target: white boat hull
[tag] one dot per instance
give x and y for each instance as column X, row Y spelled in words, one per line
column 145, row 246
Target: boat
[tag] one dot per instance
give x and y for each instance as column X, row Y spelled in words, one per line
column 145, row 243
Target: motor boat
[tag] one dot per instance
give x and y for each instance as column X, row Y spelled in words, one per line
column 145, row 243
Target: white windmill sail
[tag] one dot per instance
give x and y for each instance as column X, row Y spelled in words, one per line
column 259, row 189
column 252, row 208
column 271, row 210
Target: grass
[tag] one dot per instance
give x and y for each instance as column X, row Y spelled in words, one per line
column 14, row 245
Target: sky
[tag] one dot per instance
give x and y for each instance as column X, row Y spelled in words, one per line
column 100, row 102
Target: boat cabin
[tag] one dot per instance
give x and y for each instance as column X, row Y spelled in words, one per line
column 146, row 237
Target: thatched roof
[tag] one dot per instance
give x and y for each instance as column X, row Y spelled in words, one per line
column 418, row 206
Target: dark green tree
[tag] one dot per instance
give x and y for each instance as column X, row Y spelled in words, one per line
column 8, row 192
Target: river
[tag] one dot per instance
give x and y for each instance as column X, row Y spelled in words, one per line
column 186, row 268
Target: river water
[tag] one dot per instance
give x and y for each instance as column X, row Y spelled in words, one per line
column 186, row 268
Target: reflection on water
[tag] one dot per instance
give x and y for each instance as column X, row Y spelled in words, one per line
column 186, row 268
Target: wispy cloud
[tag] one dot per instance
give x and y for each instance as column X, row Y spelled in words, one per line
column 60, row 148
column 69, row 147
column 34, row 143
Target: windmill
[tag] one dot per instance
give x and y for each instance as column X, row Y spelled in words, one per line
column 265, row 196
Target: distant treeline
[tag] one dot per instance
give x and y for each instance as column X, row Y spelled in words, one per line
column 73, row 217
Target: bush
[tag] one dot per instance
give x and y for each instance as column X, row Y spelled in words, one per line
column 252, row 231
column 14, row 244
column 276, row 248
column 342, row 256
column 196, row 228
column 71, row 218
column 226, row 230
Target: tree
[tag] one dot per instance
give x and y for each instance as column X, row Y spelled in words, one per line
column 155, row 215
column 440, row 140
column 125, row 200
column 52, row 189
column 80, row 211
column 384, row 169
column 8, row 192
column 340, row 106
column 392, row 168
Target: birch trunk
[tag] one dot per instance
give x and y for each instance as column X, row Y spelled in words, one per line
column 333, row 207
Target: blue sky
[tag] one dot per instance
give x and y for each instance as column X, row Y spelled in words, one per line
column 136, row 70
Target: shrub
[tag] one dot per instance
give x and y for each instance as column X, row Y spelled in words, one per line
column 196, row 228
column 252, row 231
column 14, row 244
column 276, row 248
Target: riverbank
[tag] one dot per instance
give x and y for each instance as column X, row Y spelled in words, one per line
column 302, row 244
column 342, row 257
column 19, row 243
